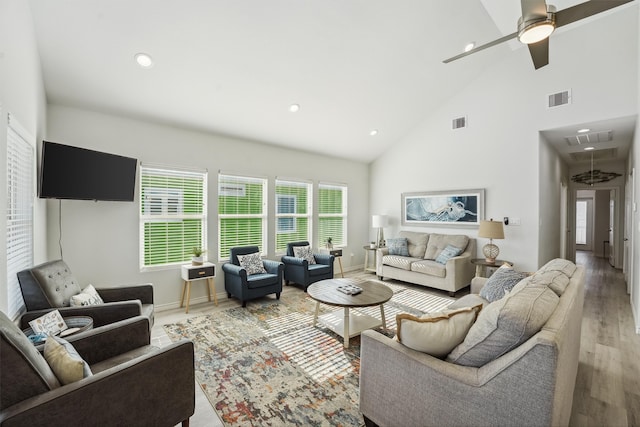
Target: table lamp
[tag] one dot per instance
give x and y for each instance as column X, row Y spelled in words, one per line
column 491, row 230
column 379, row 222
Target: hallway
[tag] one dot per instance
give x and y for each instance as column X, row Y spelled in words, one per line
column 607, row 389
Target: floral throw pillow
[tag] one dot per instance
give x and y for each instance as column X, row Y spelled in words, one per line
column 252, row 263
column 304, row 252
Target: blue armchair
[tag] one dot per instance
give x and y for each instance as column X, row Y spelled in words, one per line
column 298, row 270
column 245, row 286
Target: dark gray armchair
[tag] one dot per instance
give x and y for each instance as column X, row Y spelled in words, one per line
column 50, row 285
column 133, row 383
column 239, row 284
column 298, row 270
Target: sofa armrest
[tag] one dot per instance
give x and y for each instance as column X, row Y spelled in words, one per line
column 477, row 283
column 155, row 389
column 235, row 270
column 380, row 253
column 324, row 259
column 461, row 269
column 112, row 340
column 143, row 292
column 273, row 267
column 102, row 314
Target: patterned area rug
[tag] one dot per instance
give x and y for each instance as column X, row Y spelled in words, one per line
column 267, row 365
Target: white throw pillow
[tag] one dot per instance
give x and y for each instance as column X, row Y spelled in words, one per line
column 65, row 361
column 304, row 252
column 252, row 263
column 88, row 296
column 436, row 333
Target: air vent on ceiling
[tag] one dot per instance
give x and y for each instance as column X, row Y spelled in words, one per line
column 460, row 122
column 560, row 98
column 585, row 156
column 589, row 138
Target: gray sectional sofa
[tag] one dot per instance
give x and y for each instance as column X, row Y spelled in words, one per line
column 528, row 384
column 420, row 267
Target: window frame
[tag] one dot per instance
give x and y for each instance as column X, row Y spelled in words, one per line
column 344, row 214
column 302, row 191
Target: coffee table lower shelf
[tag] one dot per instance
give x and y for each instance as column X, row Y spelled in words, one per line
column 348, row 323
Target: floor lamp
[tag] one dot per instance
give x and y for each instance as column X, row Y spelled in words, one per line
column 379, row 222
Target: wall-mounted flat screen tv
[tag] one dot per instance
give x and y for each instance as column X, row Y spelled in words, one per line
column 78, row 173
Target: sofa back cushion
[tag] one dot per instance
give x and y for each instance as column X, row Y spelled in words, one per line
column 437, row 242
column 57, row 282
column 416, row 243
column 505, row 324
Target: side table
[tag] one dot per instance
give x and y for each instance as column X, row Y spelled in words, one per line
column 337, row 253
column 368, row 249
column 198, row 272
column 482, row 264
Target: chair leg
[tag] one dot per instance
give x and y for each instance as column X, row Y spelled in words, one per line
column 228, row 295
column 368, row 422
column 185, row 423
column 277, row 295
column 244, row 303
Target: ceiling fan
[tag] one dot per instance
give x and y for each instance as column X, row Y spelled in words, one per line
column 537, row 23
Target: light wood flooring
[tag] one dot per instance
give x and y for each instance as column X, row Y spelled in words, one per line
column 607, row 389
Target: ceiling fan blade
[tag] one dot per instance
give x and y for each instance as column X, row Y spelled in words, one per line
column 533, row 8
column 539, row 53
column 484, row 46
column 584, row 10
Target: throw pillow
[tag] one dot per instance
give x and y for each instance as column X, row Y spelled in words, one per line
column 305, row 253
column 448, row 253
column 505, row 324
column 252, row 263
column 398, row 246
column 65, row 361
column 501, row 282
column 88, row 296
column 436, row 333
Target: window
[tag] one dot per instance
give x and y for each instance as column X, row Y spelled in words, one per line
column 173, row 215
column 293, row 212
column 241, row 213
column 332, row 213
column 20, row 196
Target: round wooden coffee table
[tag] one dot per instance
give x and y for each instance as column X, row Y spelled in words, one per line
column 349, row 324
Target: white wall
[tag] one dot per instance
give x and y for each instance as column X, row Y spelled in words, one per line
column 499, row 151
column 101, row 239
column 22, row 95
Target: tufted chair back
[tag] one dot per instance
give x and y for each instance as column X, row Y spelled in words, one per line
column 48, row 285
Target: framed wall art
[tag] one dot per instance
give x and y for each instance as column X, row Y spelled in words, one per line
column 451, row 208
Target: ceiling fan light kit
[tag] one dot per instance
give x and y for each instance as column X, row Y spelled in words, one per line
column 537, row 29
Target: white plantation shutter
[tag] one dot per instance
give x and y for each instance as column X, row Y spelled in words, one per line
column 332, row 213
column 20, row 197
column 242, row 213
column 173, row 214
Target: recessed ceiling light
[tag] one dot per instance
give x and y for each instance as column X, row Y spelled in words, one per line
column 373, row 132
column 294, row 108
column 583, row 130
column 144, row 60
column 469, row 46
column 589, row 148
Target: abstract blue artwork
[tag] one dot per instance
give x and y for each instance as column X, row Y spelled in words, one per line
column 464, row 207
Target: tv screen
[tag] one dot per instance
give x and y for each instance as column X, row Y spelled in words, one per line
column 78, row 173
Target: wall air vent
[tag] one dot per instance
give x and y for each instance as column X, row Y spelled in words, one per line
column 558, row 99
column 458, row 123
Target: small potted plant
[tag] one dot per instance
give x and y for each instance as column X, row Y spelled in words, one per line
column 197, row 258
column 329, row 243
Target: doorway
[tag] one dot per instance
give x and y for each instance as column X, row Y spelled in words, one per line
column 596, row 223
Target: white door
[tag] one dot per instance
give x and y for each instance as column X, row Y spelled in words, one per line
column 627, row 266
column 612, row 216
column 584, row 224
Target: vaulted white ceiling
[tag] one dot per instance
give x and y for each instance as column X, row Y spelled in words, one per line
column 235, row 67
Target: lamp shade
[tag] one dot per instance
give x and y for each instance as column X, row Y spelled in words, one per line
column 491, row 230
column 379, row 221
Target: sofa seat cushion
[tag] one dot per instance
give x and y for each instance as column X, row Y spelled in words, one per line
column 416, row 242
column 437, row 242
column 122, row 358
column 318, row 269
column 436, row 333
column 397, row 261
column 505, row 324
column 427, row 266
column 260, row 280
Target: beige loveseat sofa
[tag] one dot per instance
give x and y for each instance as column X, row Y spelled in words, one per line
column 420, row 266
column 529, row 385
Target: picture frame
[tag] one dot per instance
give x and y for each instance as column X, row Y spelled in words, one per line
column 458, row 208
